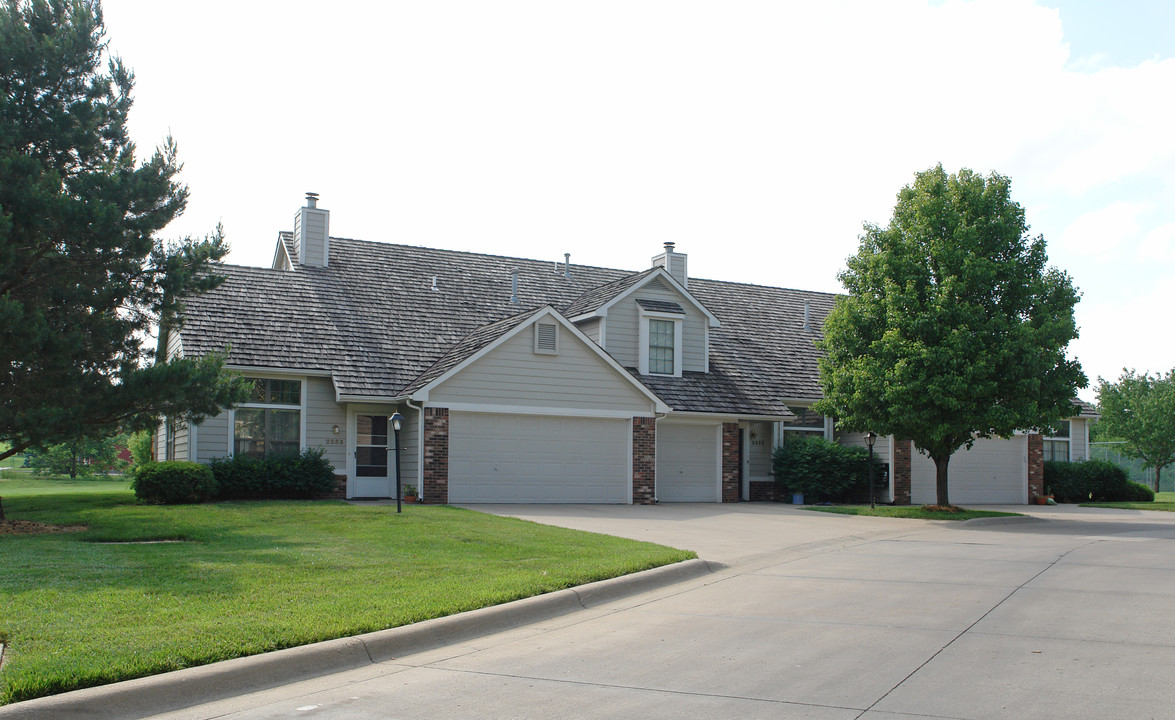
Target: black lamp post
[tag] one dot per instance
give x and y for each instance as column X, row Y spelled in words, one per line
column 870, row 438
column 397, row 423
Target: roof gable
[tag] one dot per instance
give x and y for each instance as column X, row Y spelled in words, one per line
column 620, row 291
column 485, row 340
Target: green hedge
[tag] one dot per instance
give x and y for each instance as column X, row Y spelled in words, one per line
column 1092, row 481
column 822, row 470
column 173, row 483
column 288, row 476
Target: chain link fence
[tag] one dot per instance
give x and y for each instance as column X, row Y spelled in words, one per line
column 1112, row 452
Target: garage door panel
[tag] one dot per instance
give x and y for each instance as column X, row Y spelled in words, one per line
column 994, row 471
column 501, row 458
column 687, row 463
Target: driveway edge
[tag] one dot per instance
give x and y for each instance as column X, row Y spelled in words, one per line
column 176, row 690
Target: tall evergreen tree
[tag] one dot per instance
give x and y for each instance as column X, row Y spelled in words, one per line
column 83, row 279
column 954, row 327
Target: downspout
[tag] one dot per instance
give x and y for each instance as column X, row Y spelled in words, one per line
column 419, row 446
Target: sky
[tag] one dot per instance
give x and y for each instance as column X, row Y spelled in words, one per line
column 758, row 136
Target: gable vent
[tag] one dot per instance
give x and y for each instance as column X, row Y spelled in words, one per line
column 546, row 338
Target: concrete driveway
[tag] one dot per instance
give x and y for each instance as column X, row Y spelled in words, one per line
column 1063, row 614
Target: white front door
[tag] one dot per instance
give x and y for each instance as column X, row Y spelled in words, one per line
column 372, row 478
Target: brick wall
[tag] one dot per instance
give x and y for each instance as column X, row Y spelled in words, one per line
column 903, row 451
column 436, row 456
column 1035, row 466
column 764, row 491
column 730, row 460
column 644, row 460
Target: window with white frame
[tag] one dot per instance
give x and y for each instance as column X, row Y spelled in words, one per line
column 660, row 344
column 270, row 423
column 1056, row 443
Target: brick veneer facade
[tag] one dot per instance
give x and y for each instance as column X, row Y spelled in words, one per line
column 436, row 456
column 763, row 492
column 730, row 489
column 644, row 460
column 340, row 490
column 903, row 451
column 1035, row 466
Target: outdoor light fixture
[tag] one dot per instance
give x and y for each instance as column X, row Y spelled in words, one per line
column 335, row 429
column 870, row 438
column 397, row 423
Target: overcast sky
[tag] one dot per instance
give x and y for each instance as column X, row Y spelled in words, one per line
column 758, row 136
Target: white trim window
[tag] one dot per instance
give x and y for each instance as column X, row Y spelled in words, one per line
column 270, row 423
column 660, row 343
column 1057, row 443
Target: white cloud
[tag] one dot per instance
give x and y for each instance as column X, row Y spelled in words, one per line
column 1158, row 245
column 1101, row 232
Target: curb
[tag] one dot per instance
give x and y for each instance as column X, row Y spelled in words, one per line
column 180, row 689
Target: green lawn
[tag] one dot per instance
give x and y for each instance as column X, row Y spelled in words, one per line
column 908, row 511
column 1164, row 501
column 98, row 606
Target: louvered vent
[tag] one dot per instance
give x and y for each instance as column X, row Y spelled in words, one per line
column 546, row 338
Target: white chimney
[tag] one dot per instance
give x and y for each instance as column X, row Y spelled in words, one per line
column 312, row 233
column 674, row 263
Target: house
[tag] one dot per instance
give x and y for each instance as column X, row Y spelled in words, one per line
column 530, row 381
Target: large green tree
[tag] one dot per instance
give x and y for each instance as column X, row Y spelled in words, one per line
column 1140, row 410
column 83, row 279
column 954, row 328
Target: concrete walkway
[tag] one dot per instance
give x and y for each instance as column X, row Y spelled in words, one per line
column 1062, row 614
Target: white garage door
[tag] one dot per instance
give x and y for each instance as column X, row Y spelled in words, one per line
column 994, row 471
column 687, row 463
column 537, row 459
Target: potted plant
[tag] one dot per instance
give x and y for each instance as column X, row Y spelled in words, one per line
column 410, row 494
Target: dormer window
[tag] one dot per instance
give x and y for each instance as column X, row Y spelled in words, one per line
column 660, row 339
column 662, row 358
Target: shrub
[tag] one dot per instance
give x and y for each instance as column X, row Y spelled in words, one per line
column 173, row 483
column 1092, row 481
column 306, row 475
column 140, row 446
column 821, row 470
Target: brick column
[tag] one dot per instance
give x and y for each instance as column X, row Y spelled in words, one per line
column 436, row 456
column 730, row 461
column 644, row 460
column 903, row 450
column 1035, row 466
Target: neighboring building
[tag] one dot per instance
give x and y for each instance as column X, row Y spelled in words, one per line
column 530, row 381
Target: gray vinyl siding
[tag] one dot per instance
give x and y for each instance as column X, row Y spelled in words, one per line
column 591, row 328
column 212, row 438
column 857, row 439
column 161, row 441
column 181, row 440
column 175, row 345
column 623, row 329
column 513, row 374
column 322, row 414
column 310, row 231
column 410, row 447
column 1078, row 450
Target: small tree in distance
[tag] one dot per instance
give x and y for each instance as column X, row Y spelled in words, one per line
column 953, row 327
column 1140, row 410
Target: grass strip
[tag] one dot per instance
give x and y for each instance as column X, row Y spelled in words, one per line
column 1164, row 502
column 908, row 511
column 105, row 605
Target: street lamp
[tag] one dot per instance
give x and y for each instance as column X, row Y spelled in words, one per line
column 397, row 423
column 870, row 438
